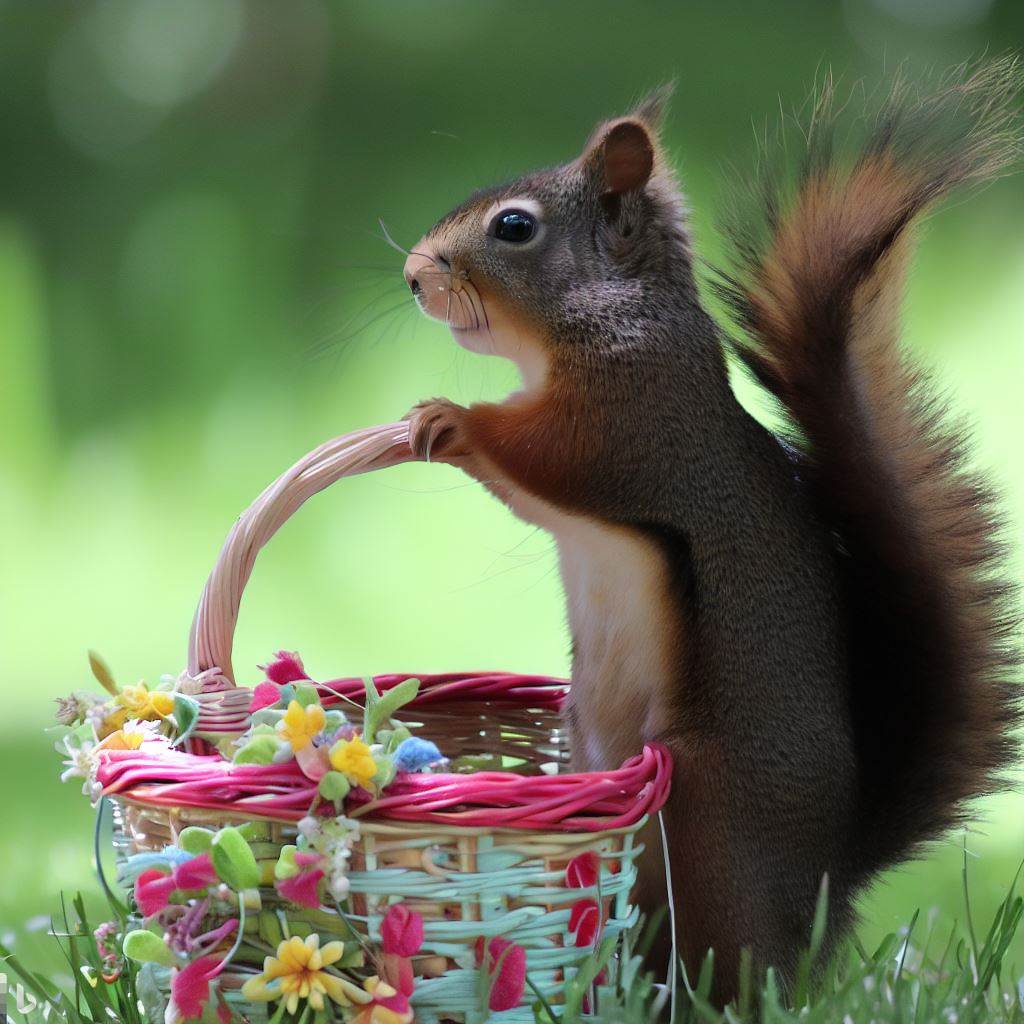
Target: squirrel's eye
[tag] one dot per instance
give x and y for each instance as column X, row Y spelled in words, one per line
column 514, row 226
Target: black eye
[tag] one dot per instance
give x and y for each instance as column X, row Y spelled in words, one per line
column 514, row 226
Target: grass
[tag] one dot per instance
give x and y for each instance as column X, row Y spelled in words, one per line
column 928, row 970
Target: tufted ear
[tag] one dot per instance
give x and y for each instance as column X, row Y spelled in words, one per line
column 620, row 155
column 653, row 107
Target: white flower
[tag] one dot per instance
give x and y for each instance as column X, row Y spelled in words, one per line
column 80, row 764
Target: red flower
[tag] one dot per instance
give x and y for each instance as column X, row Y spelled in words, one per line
column 506, row 964
column 584, row 920
column 402, row 931
column 190, row 987
column 264, row 696
column 196, row 873
column 153, row 891
column 583, row 871
column 303, row 888
column 285, row 668
column 398, row 973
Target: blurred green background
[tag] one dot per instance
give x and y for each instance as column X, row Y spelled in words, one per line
column 194, row 291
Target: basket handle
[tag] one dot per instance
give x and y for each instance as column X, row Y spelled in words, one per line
column 213, row 628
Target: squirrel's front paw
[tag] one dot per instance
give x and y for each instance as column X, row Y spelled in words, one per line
column 437, row 430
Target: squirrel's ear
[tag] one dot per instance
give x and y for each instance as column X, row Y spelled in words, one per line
column 653, row 107
column 621, row 154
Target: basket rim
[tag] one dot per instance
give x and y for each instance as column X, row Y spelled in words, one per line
column 159, row 775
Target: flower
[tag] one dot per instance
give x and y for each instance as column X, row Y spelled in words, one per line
column 72, row 710
column 414, row 753
column 300, row 724
column 197, row 873
column 402, row 931
column 285, row 668
column 583, row 871
column 506, row 966
column 303, row 887
column 584, row 921
column 297, row 972
column 388, row 1006
column 154, row 888
column 130, row 737
column 190, row 987
column 264, row 696
column 80, row 763
column 142, row 703
column 353, row 759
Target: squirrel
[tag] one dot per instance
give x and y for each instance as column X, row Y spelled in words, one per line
column 816, row 626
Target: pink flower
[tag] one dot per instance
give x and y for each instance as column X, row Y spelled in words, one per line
column 398, row 973
column 303, row 888
column 196, row 873
column 583, row 871
column 190, row 987
column 285, row 668
column 402, row 931
column 584, row 920
column 506, row 964
column 264, row 696
column 153, row 891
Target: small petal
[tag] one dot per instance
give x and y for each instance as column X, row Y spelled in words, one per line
column 197, row 873
column 153, row 891
column 264, row 696
column 584, row 920
column 302, row 888
column 285, row 668
column 190, row 987
column 583, row 871
column 402, row 931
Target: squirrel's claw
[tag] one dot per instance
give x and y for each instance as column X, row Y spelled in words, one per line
column 436, row 430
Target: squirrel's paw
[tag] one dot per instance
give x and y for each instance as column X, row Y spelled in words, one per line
column 436, row 431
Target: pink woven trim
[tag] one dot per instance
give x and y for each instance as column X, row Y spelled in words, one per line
column 499, row 687
column 577, row 802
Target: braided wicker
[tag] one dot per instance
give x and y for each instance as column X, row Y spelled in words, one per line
column 475, row 853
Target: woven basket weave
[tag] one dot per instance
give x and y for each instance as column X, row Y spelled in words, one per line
column 475, row 854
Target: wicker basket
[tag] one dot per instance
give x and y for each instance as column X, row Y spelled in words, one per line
column 476, row 855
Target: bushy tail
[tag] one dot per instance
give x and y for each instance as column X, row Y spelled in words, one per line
column 817, row 294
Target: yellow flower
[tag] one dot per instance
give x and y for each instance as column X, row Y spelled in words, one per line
column 300, row 724
column 141, row 703
column 353, row 759
column 399, row 1013
column 297, row 973
column 122, row 739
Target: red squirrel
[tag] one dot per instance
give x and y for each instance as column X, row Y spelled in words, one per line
column 818, row 629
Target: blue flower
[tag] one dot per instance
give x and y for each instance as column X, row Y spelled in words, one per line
column 413, row 754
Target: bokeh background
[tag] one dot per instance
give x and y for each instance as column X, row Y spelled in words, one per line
column 194, row 291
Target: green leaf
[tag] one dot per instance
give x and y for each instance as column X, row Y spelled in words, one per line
column 306, row 694
column 146, row 948
column 259, row 750
column 233, row 860
column 186, row 716
column 334, row 787
column 380, row 709
column 195, row 839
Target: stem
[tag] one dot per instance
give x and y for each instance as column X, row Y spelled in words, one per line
column 116, row 905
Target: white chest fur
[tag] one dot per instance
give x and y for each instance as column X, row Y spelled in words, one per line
column 623, row 625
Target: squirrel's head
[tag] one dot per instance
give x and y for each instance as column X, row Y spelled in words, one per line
column 558, row 256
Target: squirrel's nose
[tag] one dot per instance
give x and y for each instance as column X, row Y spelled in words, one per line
column 419, row 266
